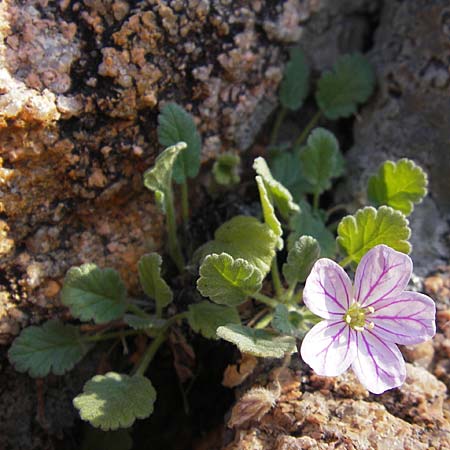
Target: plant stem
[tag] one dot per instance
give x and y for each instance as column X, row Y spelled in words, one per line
column 185, row 202
column 112, row 335
column 276, row 127
column 138, row 311
column 264, row 299
column 316, row 197
column 276, row 278
column 174, row 245
column 264, row 321
column 151, row 352
column 346, row 261
column 311, row 124
column 290, row 292
column 297, row 297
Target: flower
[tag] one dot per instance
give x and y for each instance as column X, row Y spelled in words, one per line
column 363, row 323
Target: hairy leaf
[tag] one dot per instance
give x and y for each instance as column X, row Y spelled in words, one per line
column 288, row 323
column 295, row 84
column 143, row 323
column 206, row 317
column 159, row 178
column 369, row 227
column 225, row 169
column 257, row 342
column 351, row 82
column 52, row 347
column 115, row 400
column 301, row 257
column 228, row 281
column 399, row 185
column 93, row 293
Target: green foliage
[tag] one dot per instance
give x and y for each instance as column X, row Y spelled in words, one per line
column 143, row 323
column 295, row 84
column 399, row 185
column 154, row 286
column 288, row 323
column 321, row 160
column 351, row 82
column 115, row 400
column 159, row 178
column 257, row 342
column 228, row 281
column 369, row 227
column 306, row 222
column 225, row 169
column 177, row 125
column 279, row 195
column 107, row 440
column 93, row 293
column 301, row 257
column 247, row 238
column 52, row 347
column 206, row 317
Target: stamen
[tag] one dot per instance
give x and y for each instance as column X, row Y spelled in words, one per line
column 348, row 319
column 371, row 309
column 370, row 325
column 358, row 328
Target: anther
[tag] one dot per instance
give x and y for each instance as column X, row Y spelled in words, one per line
column 370, row 325
column 371, row 309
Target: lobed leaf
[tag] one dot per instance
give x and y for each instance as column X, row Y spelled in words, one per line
column 51, row 348
column 143, row 323
column 206, row 317
column 295, row 84
column 159, row 178
column 115, row 400
column 257, row 342
column 351, row 82
column 225, row 169
column 369, row 227
column 93, row 293
column 398, row 184
column 288, row 323
column 175, row 125
column 228, row 281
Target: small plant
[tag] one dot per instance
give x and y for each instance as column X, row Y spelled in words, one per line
column 309, row 299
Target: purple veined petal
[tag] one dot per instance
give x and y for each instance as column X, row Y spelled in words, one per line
column 382, row 273
column 406, row 319
column 379, row 365
column 328, row 290
column 329, row 347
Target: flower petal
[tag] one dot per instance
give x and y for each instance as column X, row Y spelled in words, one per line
column 406, row 319
column 328, row 290
column 329, row 348
column 379, row 365
column 382, row 273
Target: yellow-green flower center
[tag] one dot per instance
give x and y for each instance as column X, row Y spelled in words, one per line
column 355, row 317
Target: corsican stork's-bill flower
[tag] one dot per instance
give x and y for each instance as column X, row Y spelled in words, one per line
column 363, row 323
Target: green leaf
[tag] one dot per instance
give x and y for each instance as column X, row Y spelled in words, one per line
column 154, row 286
column 107, row 440
column 301, row 257
column 257, row 342
column 177, row 125
column 206, row 317
column 115, row 400
column 369, row 227
column 295, row 84
column 306, row 223
column 225, row 169
column 93, row 293
column 247, row 238
column 320, row 159
column 143, row 323
column 351, row 82
column 52, row 347
column 228, row 281
column 280, row 196
column 399, row 185
column 288, row 323
column 269, row 212
column 159, row 178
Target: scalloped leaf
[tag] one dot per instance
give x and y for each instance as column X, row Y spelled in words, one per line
column 247, row 238
column 206, row 317
column 115, row 400
column 321, row 160
column 306, row 223
column 350, row 83
column 257, row 342
column 159, row 177
column 143, row 323
column 301, row 257
column 94, row 294
column 289, row 323
column 225, row 169
column 295, row 84
column 369, row 227
column 154, row 285
column 269, row 212
column 279, row 195
column 399, row 185
column 52, row 347
column 228, row 281
column 175, row 125
column 96, row 439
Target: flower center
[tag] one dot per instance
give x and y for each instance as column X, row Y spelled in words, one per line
column 355, row 317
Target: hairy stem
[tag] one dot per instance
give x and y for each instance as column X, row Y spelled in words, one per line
column 316, row 197
column 264, row 322
column 346, row 261
column 174, row 245
column 276, row 127
column 311, row 124
column 112, row 335
column 264, row 299
column 185, row 202
column 151, row 352
column 138, row 311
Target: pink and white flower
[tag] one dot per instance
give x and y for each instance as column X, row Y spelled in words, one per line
column 363, row 323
